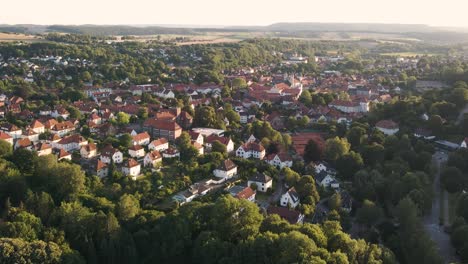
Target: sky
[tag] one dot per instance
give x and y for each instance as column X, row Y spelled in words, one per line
column 234, row 12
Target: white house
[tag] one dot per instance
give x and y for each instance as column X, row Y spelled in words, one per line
column 109, row 154
column 226, row 170
column 70, row 143
column 131, row 168
column 290, row 198
column 136, row 151
column 101, row 169
column 279, row 160
column 142, row 139
column 88, row 151
column 43, row 149
column 388, row 127
column 159, row 144
column 251, row 150
column 242, row 192
column 326, row 179
column 197, row 137
column 263, row 182
column 152, row 159
column 37, row 127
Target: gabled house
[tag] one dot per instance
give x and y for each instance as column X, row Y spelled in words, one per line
column 24, row 143
column 262, row 181
column 43, row 149
column 12, row 130
column 279, row 160
column 110, row 154
column 88, row 151
column 290, row 198
column 152, row 159
column 30, row 134
column 326, row 179
column 388, row 127
column 131, row 168
column 63, row 155
column 101, row 169
column 71, row 143
column 37, row 127
column 6, row 137
column 136, row 151
column 464, row 143
column 159, row 144
column 171, row 153
column 197, row 137
column 226, row 170
column 293, row 217
column 251, row 150
column 242, row 192
column 142, row 139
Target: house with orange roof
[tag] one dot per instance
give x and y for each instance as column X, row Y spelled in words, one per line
column 131, row 168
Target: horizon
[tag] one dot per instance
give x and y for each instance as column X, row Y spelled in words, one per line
column 211, row 13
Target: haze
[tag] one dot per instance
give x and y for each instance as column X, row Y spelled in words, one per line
column 241, row 12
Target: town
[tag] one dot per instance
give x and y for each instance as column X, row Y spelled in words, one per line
column 327, row 139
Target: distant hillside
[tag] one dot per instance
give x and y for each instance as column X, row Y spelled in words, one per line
column 302, row 30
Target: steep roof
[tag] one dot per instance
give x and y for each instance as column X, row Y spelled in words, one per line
column 227, row 165
column 289, row 215
column 260, row 177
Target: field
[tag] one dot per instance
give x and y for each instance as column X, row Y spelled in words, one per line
column 10, row 37
column 408, row 54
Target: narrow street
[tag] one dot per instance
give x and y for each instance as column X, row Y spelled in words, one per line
column 431, row 221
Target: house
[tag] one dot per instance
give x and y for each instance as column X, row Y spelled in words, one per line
column 171, row 153
column 226, row 170
column 37, row 127
column 290, row 198
column 60, row 112
column 12, row 130
column 293, row 217
column 6, row 137
column 251, row 150
column 110, row 154
column 262, row 181
column 159, row 144
column 242, row 192
column 163, row 128
column 326, row 179
column 62, row 128
column 136, row 151
column 279, row 160
column 223, row 140
column 88, row 151
column 199, row 147
column 142, row 139
column 152, row 159
column 29, row 133
column 388, row 127
column 71, row 143
column 63, row 155
column 43, row 149
column 101, row 169
column 24, row 143
column 346, row 201
column 95, row 119
column 195, row 190
column 197, row 137
column 131, row 168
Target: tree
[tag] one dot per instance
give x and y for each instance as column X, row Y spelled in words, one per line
column 453, row 180
column 74, row 112
column 348, row 164
column 369, row 214
column 126, row 140
column 128, row 207
column 313, row 151
column 5, row 148
column 334, row 203
column 14, row 250
column 306, row 98
column 355, row 135
column 143, row 113
column 291, row 177
column 335, row 148
column 238, row 83
column 217, row 146
column 24, row 160
column 122, row 119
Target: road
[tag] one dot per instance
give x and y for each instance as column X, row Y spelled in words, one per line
column 431, row 221
column 275, row 197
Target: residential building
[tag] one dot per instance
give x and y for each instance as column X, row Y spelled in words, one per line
column 159, row 144
column 110, row 154
column 136, row 151
column 290, row 198
column 131, row 168
column 226, row 170
column 263, row 182
column 251, row 150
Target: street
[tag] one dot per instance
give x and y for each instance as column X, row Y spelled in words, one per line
column 431, row 221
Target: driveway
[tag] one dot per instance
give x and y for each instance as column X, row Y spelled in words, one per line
column 431, row 221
